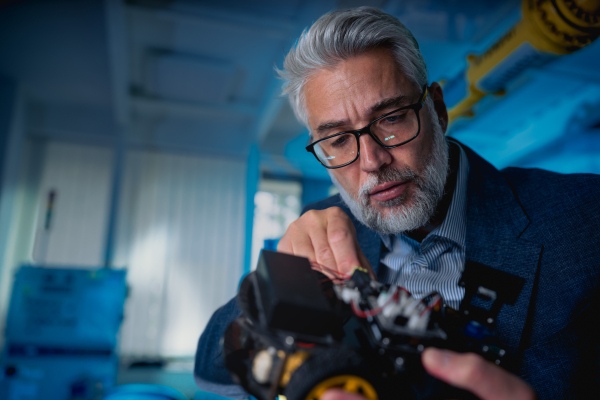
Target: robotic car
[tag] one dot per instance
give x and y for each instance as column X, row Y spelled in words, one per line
column 305, row 329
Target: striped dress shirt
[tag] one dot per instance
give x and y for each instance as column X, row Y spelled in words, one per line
column 435, row 264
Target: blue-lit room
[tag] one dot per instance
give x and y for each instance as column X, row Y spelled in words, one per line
column 148, row 156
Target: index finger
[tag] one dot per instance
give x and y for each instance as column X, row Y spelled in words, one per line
column 342, row 241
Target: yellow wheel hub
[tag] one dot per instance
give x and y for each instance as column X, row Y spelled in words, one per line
column 350, row 383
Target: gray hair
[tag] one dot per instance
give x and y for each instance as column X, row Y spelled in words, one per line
column 340, row 35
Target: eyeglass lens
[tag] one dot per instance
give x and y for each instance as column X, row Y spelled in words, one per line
column 389, row 131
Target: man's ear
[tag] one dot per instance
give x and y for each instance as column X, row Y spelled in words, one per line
column 437, row 95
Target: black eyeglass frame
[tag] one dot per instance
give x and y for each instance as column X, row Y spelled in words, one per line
column 367, row 130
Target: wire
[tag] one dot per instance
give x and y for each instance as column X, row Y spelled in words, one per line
column 328, row 271
column 431, row 306
column 365, row 314
column 377, row 310
column 305, row 345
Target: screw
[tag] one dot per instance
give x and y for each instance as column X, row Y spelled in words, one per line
column 485, row 349
column 399, row 361
column 386, row 341
column 490, row 320
column 289, row 340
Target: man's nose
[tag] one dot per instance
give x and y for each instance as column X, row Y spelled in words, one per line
column 372, row 155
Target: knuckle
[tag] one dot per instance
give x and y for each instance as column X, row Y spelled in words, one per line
column 291, row 230
column 293, row 233
column 311, row 218
column 338, row 213
column 339, row 235
column 324, row 254
column 310, row 214
column 283, row 244
column 341, row 218
column 335, row 210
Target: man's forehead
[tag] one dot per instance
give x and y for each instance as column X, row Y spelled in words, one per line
column 355, row 88
column 323, row 121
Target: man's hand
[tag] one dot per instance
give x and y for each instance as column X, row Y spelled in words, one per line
column 476, row 375
column 327, row 237
column 466, row 371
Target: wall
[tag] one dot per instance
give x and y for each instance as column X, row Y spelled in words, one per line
column 11, row 144
column 181, row 237
column 80, row 177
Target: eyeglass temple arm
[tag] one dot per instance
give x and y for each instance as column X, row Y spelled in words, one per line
column 425, row 93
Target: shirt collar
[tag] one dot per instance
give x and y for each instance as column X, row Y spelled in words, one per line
column 454, row 227
column 387, row 241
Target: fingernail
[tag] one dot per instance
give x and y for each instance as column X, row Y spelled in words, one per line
column 436, row 358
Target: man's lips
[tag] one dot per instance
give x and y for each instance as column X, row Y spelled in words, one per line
column 388, row 190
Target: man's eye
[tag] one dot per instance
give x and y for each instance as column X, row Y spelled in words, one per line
column 339, row 141
column 395, row 118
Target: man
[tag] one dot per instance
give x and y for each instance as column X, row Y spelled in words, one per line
column 413, row 206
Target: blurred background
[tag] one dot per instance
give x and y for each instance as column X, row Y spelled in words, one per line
column 146, row 157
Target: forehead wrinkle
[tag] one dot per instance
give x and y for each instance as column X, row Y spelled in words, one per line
column 339, row 96
column 352, row 108
column 335, row 88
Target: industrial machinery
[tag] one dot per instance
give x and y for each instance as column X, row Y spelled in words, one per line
column 548, row 29
column 305, row 329
column 62, row 333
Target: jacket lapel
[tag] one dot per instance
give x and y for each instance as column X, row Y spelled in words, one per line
column 495, row 224
column 370, row 244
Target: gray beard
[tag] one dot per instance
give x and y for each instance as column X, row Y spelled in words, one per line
column 429, row 189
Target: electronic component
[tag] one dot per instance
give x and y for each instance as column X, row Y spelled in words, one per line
column 302, row 331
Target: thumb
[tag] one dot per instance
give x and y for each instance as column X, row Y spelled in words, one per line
column 476, row 375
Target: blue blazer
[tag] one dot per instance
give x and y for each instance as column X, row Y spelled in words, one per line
column 541, row 226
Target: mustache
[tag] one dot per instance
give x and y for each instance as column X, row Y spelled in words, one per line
column 389, row 174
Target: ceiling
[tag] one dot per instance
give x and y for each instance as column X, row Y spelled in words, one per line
column 198, row 76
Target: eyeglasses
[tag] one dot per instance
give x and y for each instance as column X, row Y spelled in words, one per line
column 391, row 130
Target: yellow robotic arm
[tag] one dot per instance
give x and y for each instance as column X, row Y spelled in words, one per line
column 548, row 28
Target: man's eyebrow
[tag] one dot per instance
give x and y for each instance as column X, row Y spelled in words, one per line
column 397, row 101
column 327, row 126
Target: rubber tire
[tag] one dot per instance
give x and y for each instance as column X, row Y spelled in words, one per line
column 325, row 364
